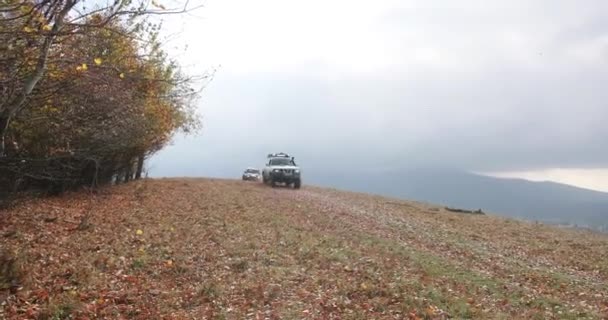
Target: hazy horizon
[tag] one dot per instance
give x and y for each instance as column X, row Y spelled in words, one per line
column 508, row 88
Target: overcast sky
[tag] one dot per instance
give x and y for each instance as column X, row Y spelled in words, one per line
column 515, row 86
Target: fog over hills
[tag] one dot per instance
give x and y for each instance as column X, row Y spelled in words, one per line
column 543, row 201
column 537, row 201
column 371, row 88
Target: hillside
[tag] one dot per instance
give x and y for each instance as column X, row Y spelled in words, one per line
column 543, row 201
column 220, row 249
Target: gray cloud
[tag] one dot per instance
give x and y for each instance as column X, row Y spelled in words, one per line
column 500, row 85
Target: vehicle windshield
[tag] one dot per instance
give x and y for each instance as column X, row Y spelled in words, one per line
column 252, row 171
column 281, row 162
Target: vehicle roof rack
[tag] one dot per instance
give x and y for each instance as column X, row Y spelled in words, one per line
column 278, row 155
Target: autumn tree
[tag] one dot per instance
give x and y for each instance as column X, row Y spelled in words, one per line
column 87, row 95
column 31, row 30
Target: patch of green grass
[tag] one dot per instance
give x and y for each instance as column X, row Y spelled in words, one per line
column 138, row 263
column 439, row 272
column 461, row 310
column 545, row 303
column 557, row 279
column 61, row 308
column 62, row 311
column 432, row 265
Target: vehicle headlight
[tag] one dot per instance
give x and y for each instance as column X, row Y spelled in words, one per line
column 297, row 171
column 275, row 170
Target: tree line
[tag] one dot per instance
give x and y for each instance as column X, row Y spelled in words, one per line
column 86, row 93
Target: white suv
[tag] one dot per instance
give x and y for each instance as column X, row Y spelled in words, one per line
column 281, row 168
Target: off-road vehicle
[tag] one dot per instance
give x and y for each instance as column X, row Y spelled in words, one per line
column 251, row 174
column 281, row 168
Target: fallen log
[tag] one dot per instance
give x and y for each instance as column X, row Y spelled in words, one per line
column 478, row 211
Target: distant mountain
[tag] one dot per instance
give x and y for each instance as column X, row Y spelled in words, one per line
column 543, row 201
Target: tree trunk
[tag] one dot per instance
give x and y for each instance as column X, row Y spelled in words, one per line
column 118, row 178
column 128, row 171
column 16, row 104
column 140, row 166
column 4, row 121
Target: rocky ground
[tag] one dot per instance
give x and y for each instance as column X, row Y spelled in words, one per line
column 219, row 249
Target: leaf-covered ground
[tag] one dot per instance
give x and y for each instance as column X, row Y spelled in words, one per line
column 217, row 249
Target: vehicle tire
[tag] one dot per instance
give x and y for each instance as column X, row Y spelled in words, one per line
column 297, row 184
column 273, row 183
column 264, row 179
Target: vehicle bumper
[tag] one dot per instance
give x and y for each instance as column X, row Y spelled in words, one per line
column 284, row 178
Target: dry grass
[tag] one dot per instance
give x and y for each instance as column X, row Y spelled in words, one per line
column 215, row 249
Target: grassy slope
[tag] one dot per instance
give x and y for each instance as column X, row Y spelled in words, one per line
column 227, row 249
